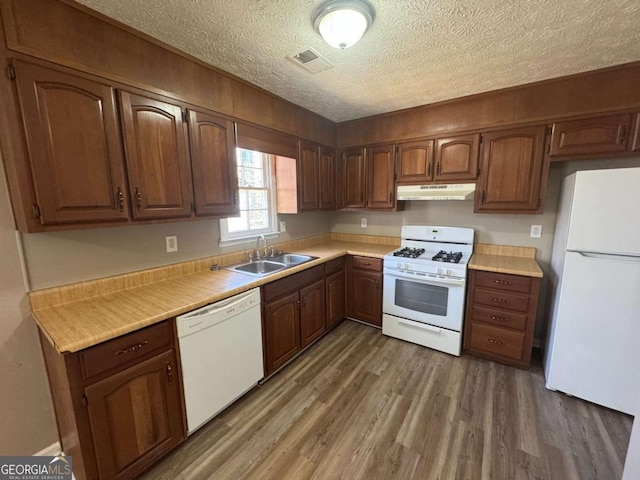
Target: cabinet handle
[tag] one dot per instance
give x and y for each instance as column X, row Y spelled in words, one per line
column 439, row 168
column 298, row 304
column 138, row 199
column 378, row 284
column 499, row 319
column 121, row 199
column 429, row 169
column 132, row 348
column 495, row 342
column 169, row 373
column 390, row 197
column 482, row 197
column 501, row 282
column 235, row 197
column 500, row 300
column 366, row 264
column 623, row 134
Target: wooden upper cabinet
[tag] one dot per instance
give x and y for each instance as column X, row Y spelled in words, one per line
column 327, row 174
column 213, row 157
column 74, row 146
column 457, row 159
column 157, row 153
column 308, row 182
column 608, row 134
column 354, row 178
column 415, row 162
column 381, row 179
column 511, row 171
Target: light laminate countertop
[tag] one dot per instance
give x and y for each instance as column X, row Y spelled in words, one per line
column 74, row 326
column 505, row 264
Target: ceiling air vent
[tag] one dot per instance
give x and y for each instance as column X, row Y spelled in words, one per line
column 311, row 60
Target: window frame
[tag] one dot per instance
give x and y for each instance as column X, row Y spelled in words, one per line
column 231, row 238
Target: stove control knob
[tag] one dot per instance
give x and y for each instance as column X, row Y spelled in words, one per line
column 449, row 272
column 407, row 266
column 440, row 271
column 399, row 265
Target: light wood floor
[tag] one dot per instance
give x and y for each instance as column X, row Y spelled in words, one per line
column 359, row 405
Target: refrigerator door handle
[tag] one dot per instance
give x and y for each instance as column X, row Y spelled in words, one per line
column 610, row 256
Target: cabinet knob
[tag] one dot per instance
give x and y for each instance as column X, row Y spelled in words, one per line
column 429, row 168
column 169, row 373
column 121, row 199
column 138, row 199
column 482, row 196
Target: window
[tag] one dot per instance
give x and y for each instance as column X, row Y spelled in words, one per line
column 257, row 198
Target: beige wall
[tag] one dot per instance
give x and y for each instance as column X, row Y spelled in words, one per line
column 27, row 424
column 67, row 257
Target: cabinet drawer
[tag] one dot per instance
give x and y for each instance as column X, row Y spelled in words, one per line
column 508, row 301
column 367, row 263
column 503, row 281
column 122, row 350
column 333, row 266
column 497, row 341
column 502, row 318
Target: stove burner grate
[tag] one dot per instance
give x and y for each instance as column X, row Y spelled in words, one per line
column 448, row 257
column 408, row 252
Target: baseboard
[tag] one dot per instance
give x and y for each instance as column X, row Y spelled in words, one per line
column 50, row 451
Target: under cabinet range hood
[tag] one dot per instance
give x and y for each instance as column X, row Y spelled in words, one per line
column 454, row 191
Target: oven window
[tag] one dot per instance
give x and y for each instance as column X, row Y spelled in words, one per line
column 423, row 298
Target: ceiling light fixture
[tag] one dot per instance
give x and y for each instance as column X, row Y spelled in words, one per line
column 342, row 22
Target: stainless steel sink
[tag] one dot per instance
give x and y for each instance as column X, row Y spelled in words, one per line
column 262, row 268
column 292, row 259
column 259, row 268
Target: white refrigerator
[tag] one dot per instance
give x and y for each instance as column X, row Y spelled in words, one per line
column 593, row 343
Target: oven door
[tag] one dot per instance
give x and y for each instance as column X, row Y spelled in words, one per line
column 436, row 301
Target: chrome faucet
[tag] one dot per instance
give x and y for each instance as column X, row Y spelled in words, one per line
column 266, row 248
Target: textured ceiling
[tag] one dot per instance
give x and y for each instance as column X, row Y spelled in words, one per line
column 417, row 51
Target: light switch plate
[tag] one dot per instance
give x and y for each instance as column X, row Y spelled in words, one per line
column 283, row 226
column 172, row 243
column 536, row 231
column 363, row 222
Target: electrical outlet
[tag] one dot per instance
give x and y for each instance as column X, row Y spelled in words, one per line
column 283, row 226
column 363, row 222
column 172, row 243
column 536, row 231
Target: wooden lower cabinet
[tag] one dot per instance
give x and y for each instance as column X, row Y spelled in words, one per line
column 293, row 316
column 336, row 296
column 312, row 312
column 500, row 316
column 364, row 290
column 281, row 323
column 119, row 404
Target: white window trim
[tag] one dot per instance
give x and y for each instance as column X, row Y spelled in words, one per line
column 227, row 239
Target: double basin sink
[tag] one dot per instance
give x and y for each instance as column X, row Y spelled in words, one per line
column 262, row 268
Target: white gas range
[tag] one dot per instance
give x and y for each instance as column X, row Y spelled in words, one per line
column 424, row 286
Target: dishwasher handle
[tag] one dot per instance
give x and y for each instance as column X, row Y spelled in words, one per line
column 215, row 307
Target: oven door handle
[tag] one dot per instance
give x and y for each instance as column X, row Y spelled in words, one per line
column 421, row 326
column 426, row 279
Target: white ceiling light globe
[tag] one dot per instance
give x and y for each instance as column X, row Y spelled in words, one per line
column 342, row 22
column 343, row 28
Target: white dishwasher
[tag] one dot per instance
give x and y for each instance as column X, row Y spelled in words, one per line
column 221, row 355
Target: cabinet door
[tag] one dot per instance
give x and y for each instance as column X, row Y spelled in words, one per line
column 157, row 157
column 381, row 180
column 308, row 176
column 365, row 296
column 213, row 155
column 135, row 416
column 327, row 200
column 312, row 312
column 591, row 136
column 457, row 159
column 415, row 162
column 511, row 171
column 281, row 331
column 74, row 146
column 354, row 178
column 335, row 292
